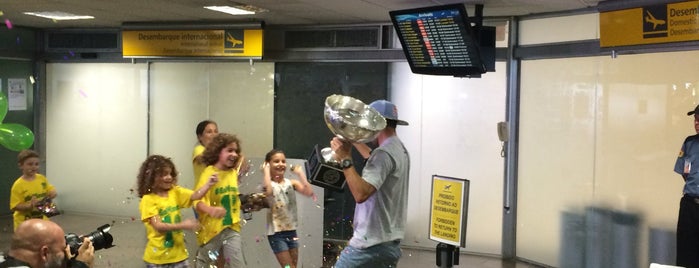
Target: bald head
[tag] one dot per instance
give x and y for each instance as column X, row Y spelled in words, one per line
column 35, row 241
column 34, row 233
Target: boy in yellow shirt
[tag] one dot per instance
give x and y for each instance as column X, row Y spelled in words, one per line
column 29, row 189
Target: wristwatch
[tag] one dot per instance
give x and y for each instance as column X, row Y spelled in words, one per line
column 346, row 163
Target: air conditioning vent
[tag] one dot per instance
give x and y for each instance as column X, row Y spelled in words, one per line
column 332, row 38
column 83, row 41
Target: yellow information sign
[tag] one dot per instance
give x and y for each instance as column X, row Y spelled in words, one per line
column 448, row 211
column 661, row 23
column 244, row 43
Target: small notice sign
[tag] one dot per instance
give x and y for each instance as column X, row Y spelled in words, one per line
column 449, row 210
column 17, row 94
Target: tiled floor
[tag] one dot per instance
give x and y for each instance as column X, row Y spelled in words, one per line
column 129, row 239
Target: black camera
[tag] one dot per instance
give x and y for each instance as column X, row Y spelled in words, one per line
column 100, row 239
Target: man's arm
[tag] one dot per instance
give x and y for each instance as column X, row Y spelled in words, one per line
column 360, row 189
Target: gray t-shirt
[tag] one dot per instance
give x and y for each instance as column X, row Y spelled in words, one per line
column 381, row 218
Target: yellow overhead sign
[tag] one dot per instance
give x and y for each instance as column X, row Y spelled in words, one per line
column 244, row 43
column 448, row 211
column 661, row 23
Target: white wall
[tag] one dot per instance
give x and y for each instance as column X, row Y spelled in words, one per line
column 453, row 133
column 559, row 29
column 240, row 98
column 179, row 100
column 96, row 120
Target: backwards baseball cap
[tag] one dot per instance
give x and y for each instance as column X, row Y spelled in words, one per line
column 387, row 110
column 696, row 111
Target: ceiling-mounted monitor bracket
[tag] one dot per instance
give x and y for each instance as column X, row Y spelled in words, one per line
column 476, row 21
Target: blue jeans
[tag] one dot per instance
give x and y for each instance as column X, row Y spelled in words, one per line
column 382, row 255
column 283, row 241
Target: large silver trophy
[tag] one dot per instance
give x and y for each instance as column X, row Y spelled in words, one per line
column 350, row 120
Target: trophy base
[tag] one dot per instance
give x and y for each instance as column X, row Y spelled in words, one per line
column 324, row 174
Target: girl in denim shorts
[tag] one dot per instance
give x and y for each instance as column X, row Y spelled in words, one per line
column 282, row 219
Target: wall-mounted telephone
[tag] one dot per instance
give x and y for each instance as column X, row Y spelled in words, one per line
column 503, row 135
column 503, row 132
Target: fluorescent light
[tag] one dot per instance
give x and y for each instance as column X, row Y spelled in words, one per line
column 231, row 10
column 58, row 15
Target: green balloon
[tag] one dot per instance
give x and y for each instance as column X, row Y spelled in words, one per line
column 3, row 106
column 16, row 137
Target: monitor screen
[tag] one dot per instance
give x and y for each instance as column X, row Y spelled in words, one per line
column 439, row 40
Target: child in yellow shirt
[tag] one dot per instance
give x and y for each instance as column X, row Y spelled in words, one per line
column 29, row 189
column 161, row 201
column 222, row 157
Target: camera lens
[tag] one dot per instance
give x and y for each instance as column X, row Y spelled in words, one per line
column 100, row 239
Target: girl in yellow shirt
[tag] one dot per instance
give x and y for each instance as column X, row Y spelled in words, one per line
column 161, row 201
column 222, row 156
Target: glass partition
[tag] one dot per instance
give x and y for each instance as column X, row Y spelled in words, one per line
column 598, row 141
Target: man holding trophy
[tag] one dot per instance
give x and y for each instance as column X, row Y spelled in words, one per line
column 381, row 191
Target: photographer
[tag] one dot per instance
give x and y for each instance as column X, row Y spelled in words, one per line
column 39, row 243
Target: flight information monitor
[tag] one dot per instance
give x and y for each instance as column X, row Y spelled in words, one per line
column 439, row 40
